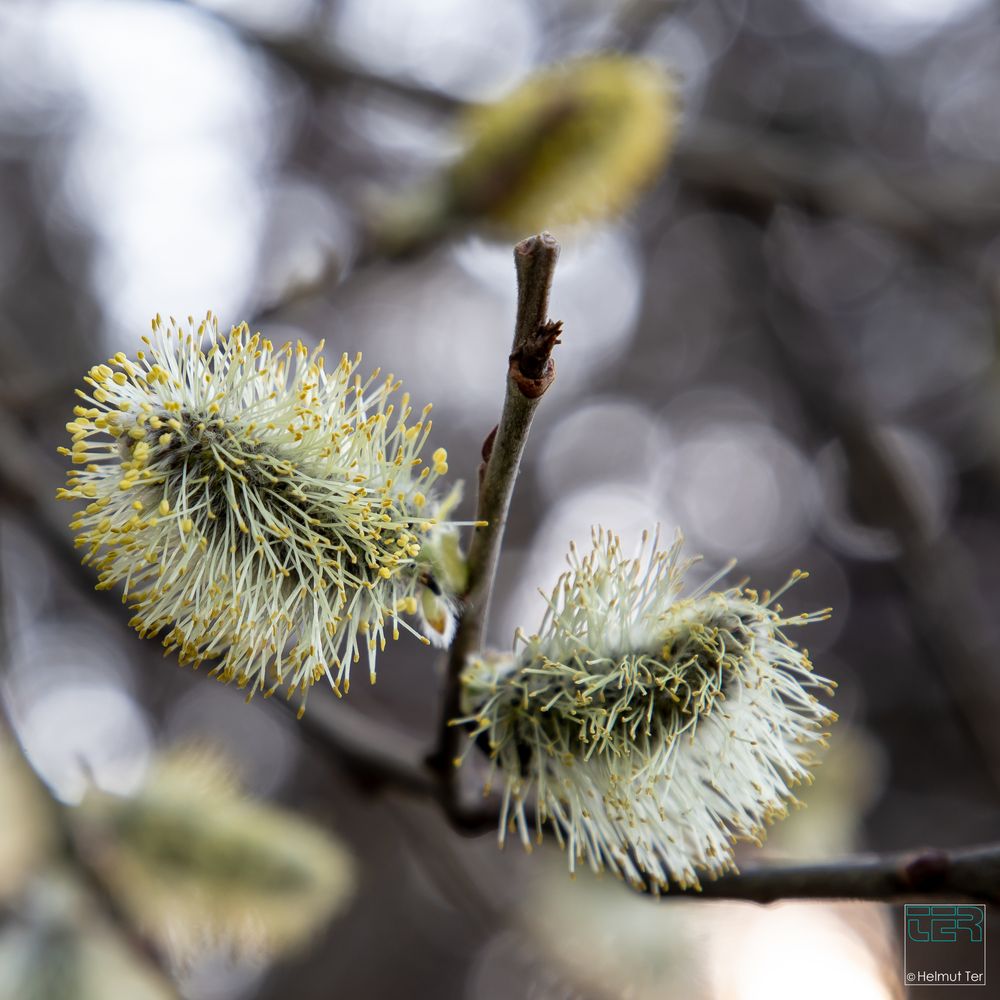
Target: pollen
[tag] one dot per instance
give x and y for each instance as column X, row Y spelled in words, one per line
column 652, row 725
column 292, row 547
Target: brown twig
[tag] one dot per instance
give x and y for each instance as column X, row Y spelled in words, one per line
column 971, row 873
column 530, row 372
column 932, row 873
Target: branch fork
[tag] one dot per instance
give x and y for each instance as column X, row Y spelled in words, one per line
column 531, row 371
column 377, row 756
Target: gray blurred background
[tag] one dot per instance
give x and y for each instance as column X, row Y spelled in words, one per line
column 788, row 350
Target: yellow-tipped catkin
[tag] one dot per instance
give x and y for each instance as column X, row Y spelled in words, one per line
column 261, row 509
column 649, row 725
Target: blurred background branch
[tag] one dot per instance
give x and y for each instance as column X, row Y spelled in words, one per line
column 66, row 844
